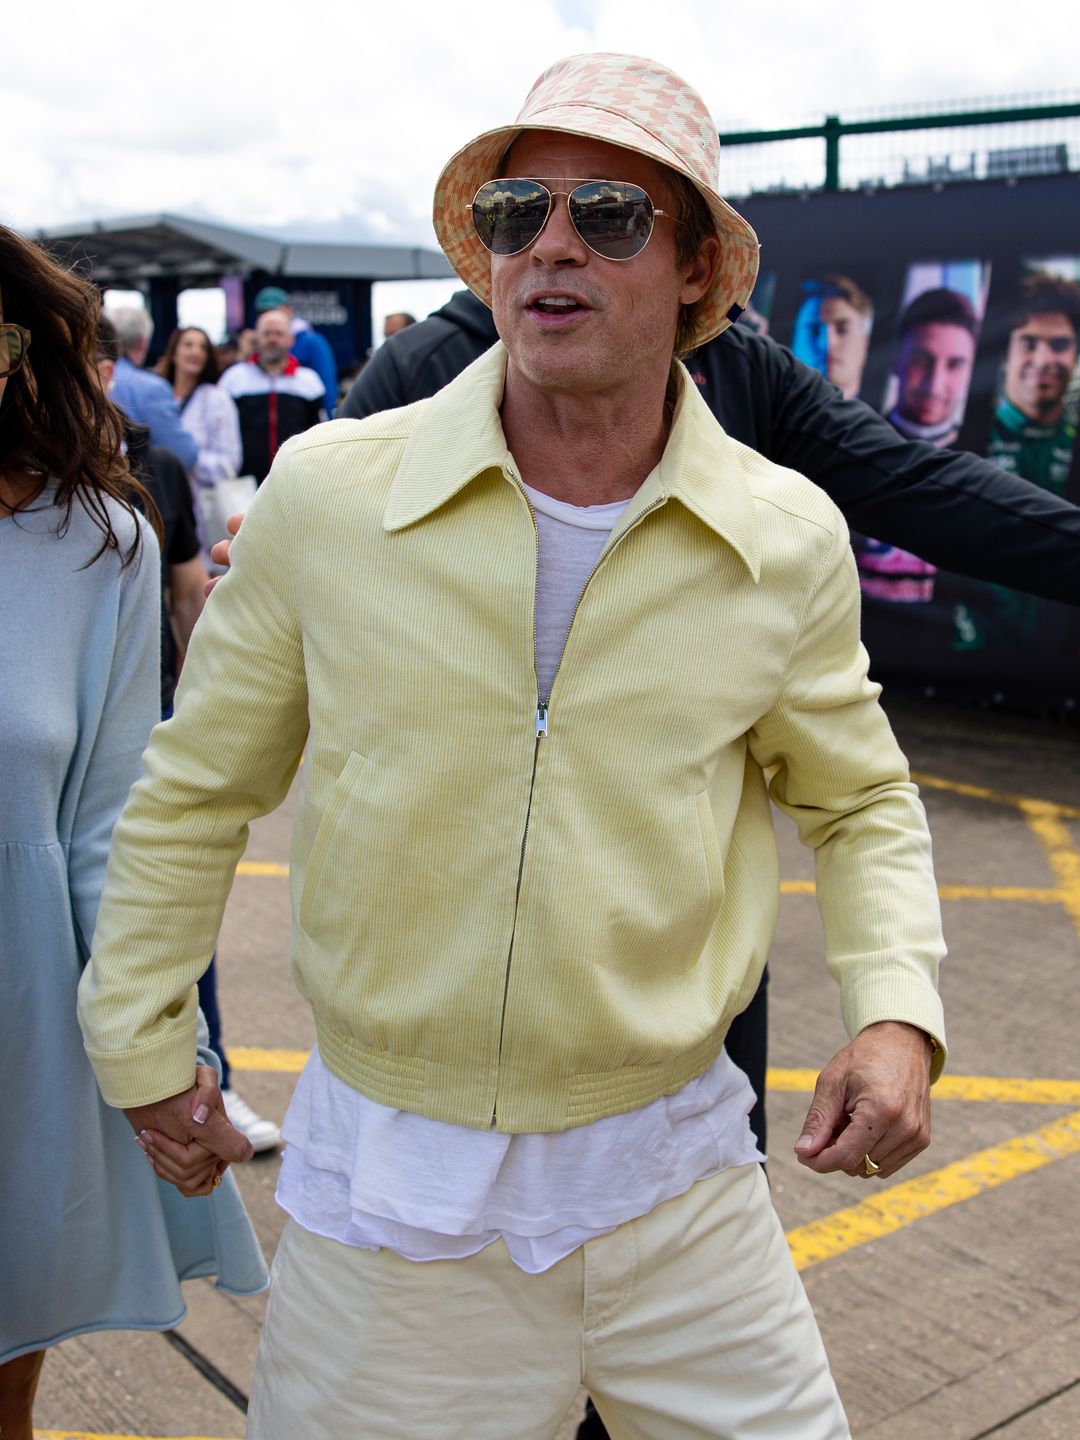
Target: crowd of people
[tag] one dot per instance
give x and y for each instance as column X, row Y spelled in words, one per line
column 534, row 941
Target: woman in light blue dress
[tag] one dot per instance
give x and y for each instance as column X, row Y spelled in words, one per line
column 89, row 1238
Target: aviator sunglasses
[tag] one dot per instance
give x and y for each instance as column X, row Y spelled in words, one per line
column 613, row 218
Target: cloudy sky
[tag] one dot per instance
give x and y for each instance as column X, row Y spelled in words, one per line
column 335, row 114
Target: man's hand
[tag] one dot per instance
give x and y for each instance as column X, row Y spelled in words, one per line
column 188, row 1138
column 219, row 553
column 873, row 1098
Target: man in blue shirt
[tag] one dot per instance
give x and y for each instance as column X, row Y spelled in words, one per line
column 147, row 399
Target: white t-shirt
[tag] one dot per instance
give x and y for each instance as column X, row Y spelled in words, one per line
column 372, row 1176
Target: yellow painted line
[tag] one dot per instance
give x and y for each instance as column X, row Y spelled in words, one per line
column 1046, row 825
column 1034, row 894
column 1000, row 1089
column 998, row 797
column 284, row 1062
column 1004, row 1089
column 96, row 1435
column 1037, row 895
column 902, row 1204
column 1007, row 1090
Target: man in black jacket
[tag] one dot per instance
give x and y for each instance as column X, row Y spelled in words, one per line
column 948, row 506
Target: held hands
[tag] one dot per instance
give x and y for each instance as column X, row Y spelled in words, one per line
column 187, row 1137
column 873, row 1098
column 219, row 553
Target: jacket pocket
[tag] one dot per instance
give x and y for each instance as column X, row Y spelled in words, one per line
column 714, row 864
column 353, row 775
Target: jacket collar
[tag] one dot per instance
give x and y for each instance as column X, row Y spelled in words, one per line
column 459, row 436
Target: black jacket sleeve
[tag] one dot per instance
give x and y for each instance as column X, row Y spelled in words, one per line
column 949, row 506
column 379, row 386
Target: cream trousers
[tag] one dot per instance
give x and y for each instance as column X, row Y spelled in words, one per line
column 688, row 1323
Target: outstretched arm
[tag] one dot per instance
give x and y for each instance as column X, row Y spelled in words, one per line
column 949, row 506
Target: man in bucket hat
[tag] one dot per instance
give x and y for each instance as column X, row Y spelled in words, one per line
column 540, row 639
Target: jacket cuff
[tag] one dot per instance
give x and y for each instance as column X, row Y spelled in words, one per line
column 920, row 1008
column 151, row 1073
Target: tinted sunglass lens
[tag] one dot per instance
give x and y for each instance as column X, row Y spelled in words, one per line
column 614, row 219
column 509, row 214
column 11, row 350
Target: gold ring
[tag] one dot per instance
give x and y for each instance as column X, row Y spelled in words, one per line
column 870, row 1167
column 217, row 1178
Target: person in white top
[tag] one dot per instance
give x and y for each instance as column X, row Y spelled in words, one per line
column 190, row 366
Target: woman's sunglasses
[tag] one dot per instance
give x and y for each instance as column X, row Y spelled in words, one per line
column 14, row 343
column 613, row 218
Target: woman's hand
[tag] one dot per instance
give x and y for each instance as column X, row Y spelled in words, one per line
column 188, row 1138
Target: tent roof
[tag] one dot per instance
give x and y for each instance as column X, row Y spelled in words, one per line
column 142, row 247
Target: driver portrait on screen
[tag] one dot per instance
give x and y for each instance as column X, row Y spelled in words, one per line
column 832, row 331
column 934, row 357
column 1033, row 434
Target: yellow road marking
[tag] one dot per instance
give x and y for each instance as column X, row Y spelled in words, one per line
column 1038, row 895
column 1046, row 825
column 1035, row 894
column 1002, row 1090
column 998, row 797
column 285, row 1062
column 94, row 1435
column 902, row 1204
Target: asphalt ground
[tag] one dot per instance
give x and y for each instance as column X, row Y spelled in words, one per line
column 949, row 1297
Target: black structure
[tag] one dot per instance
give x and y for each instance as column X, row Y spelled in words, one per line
column 328, row 282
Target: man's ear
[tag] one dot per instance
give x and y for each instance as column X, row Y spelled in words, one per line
column 700, row 272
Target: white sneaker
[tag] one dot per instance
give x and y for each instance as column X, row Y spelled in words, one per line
column 263, row 1134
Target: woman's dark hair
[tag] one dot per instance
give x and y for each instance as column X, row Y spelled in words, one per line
column 166, row 366
column 56, row 423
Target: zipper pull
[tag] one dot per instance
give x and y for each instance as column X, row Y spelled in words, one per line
column 541, row 719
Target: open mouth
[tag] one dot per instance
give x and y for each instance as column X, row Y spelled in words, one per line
column 557, row 305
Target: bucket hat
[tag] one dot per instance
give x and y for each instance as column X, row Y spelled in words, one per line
column 623, row 100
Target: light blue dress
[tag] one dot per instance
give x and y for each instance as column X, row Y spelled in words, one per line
column 89, row 1238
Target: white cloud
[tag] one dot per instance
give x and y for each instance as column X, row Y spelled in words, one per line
column 273, row 115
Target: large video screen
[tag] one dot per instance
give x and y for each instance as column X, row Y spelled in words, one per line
column 970, row 344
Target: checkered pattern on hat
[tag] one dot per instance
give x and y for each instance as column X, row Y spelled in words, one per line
column 624, row 100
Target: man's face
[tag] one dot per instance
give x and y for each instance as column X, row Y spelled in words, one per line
column 394, row 324
column 620, row 324
column 846, row 343
column 1039, row 363
column 273, row 336
column 934, row 370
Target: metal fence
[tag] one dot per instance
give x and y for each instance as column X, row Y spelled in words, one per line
column 964, row 141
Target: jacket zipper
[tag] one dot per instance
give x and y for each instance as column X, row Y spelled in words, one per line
column 541, row 734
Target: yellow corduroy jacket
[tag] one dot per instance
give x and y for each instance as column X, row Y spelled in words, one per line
column 493, row 924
